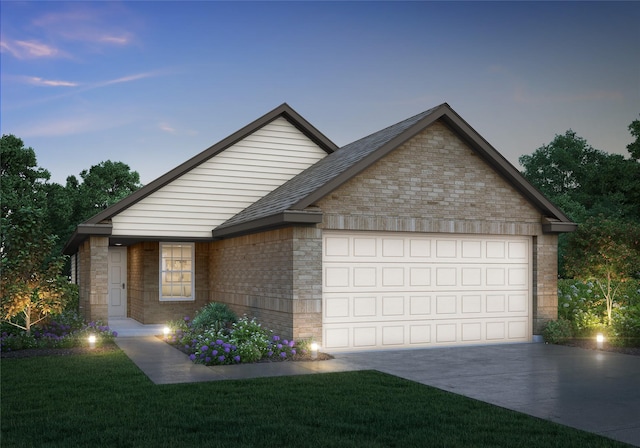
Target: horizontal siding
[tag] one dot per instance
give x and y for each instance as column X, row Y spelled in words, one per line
column 217, row 189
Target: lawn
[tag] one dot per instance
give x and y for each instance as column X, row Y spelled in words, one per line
column 104, row 400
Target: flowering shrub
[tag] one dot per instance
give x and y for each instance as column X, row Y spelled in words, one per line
column 234, row 342
column 583, row 305
column 62, row 331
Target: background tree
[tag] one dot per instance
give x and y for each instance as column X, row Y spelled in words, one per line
column 634, row 147
column 584, row 182
column 102, row 185
column 22, row 180
column 606, row 252
column 30, row 283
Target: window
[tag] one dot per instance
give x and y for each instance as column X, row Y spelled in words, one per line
column 176, row 271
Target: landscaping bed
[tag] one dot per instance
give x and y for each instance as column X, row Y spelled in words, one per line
column 591, row 344
column 34, row 352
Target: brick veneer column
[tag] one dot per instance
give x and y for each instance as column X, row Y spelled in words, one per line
column 97, row 278
column 545, row 281
column 307, row 283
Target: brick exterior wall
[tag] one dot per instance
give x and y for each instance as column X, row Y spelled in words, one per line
column 143, row 291
column 274, row 276
column 435, row 183
column 253, row 274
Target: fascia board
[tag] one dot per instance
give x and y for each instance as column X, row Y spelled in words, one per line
column 269, row 222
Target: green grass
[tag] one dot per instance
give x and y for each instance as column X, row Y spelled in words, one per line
column 103, row 400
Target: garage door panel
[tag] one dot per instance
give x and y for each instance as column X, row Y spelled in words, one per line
column 399, row 289
column 407, row 277
column 425, row 333
column 381, row 306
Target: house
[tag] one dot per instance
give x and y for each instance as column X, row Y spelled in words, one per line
column 420, row 234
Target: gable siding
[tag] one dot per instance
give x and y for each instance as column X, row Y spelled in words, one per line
column 432, row 183
column 192, row 205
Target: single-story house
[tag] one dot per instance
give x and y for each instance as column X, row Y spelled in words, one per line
column 420, row 234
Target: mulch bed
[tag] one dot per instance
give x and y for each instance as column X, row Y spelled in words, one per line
column 587, row 344
column 297, row 357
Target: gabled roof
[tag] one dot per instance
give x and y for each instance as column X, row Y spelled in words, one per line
column 95, row 225
column 287, row 203
column 284, row 110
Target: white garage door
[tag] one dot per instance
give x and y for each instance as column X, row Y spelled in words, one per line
column 392, row 290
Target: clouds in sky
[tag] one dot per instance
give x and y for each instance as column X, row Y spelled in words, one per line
column 110, row 80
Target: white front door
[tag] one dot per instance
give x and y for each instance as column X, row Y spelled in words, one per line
column 117, row 282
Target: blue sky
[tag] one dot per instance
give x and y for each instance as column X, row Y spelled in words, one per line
column 153, row 83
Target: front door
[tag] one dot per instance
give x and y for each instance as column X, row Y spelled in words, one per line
column 117, row 282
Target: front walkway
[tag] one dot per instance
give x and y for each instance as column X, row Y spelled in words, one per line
column 590, row 390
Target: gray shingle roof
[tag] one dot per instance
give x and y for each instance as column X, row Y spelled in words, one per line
column 325, row 175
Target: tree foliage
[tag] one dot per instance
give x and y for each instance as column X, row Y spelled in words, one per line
column 102, row 185
column 634, row 147
column 31, row 286
column 31, row 281
column 585, row 183
column 37, row 219
column 607, row 252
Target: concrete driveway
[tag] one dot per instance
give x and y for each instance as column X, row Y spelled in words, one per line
column 591, row 390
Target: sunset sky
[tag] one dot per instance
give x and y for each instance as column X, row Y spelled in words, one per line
column 153, row 83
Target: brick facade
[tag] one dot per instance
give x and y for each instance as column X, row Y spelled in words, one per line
column 143, row 290
column 435, row 183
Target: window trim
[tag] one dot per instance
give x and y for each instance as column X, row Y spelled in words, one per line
column 193, row 272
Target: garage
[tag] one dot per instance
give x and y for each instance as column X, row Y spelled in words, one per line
column 393, row 290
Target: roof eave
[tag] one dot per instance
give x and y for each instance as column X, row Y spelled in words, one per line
column 84, row 231
column 556, row 226
column 282, row 219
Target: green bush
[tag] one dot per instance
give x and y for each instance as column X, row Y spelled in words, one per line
column 582, row 304
column 215, row 316
column 557, row 331
column 626, row 326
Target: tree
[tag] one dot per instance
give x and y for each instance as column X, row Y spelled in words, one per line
column 102, row 185
column 31, row 284
column 98, row 187
column 607, row 252
column 562, row 166
column 584, row 182
column 634, row 147
column 22, row 181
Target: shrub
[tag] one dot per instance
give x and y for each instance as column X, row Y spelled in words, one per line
column 214, row 315
column 557, row 331
column 243, row 341
column 626, row 326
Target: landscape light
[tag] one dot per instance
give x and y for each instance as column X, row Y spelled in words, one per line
column 314, row 350
column 599, row 340
column 166, row 330
column 92, row 341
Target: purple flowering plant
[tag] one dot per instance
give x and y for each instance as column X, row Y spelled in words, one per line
column 241, row 341
column 64, row 330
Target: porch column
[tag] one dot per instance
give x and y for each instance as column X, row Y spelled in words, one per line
column 96, row 288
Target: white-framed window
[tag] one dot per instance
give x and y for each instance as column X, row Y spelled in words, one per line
column 177, row 271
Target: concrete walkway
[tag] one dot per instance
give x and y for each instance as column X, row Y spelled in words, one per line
column 589, row 390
